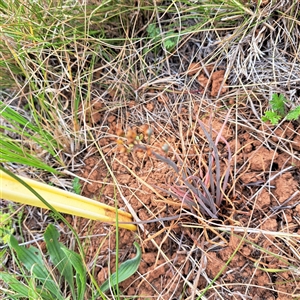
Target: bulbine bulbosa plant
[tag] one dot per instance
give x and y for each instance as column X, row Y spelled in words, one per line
column 203, row 192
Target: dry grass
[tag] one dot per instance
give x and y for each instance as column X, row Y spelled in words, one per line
column 76, row 71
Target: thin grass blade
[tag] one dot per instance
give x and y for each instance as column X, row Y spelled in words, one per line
column 212, row 145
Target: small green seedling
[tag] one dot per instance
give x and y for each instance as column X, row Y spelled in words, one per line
column 294, row 114
column 168, row 42
column 38, row 279
column 76, row 186
column 6, row 227
column 8, row 221
column 126, row 269
column 278, row 110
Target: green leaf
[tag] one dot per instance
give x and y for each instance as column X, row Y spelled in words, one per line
column 271, row 116
column 171, row 40
column 78, row 264
column 58, row 256
column 153, row 31
column 169, row 44
column 6, row 228
column 38, row 291
column 293, row 114
column 126, row 269
column 34, row 263
column 278, row 104
column 15, row 118
column 14, row 284
column 76, row 185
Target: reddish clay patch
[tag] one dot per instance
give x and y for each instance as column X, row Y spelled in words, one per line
column 258, row 202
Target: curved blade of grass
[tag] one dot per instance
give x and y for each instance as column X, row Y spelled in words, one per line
column 25, row 127
column 126, row 269
column 12, row 151
column 204, row 201
column 212, row 145
column 227, row 173
column 59, row 257
column 221, row 270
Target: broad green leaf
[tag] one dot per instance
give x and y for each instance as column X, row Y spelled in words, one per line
column 34, row 263
column 58, row 256
column 77, row 263
column 126, row 269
